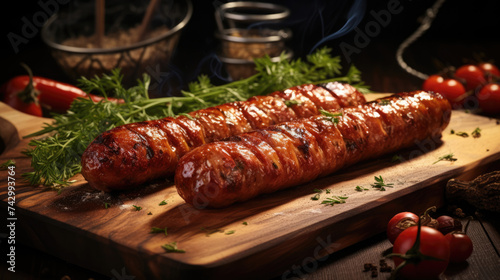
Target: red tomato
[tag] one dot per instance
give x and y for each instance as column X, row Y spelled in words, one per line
column 432, row 83
column 489, row 69
column 399, row 223
column 432, row 243
column 460, row 246
column 472, row 75
column 489, row 98
column 451, row 89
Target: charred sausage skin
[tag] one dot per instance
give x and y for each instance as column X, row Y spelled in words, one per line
column 287, row 154
column 133, row 154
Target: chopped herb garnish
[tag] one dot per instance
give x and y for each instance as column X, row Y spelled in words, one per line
column 163, row 202
column 229, row 232
column 380, row 184
column 360, row 188
column 448, row 157
column 396, row 158
column 159, row 230
column 106, row 205
column 209, row 232
column 328, row 191
column 476, row 133
column 150, row 213
column 172, row 248
column 245, row 223
column 463, row 134
column 290, row 103
column 316, row 196
column 452, row 131
column 334, row 200
column 329, row 116
column 137, row 208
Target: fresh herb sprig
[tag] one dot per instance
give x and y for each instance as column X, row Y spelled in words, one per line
column 448, row 157
column 172, row 248
column 56, row 158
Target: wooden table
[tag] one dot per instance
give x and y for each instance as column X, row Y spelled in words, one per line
column 381, row 71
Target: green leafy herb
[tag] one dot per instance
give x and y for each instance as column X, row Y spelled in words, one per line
column 230, row 232
column 187, row 116
column 56, row 157
column 360, row 188
column 333, row 117
column 245, row 223
column 334, row 200
column 150, row 213
column 172, row 248
column 476, row 133
column 163, row 202
column 448, row 157
column 137, row 208
column 452, row 131
column 380, row 184
column 106, row 205
column 159, row 230
column 8, row 163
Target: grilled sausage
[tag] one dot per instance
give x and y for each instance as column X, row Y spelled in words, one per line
column 288, row 154
column 133, row 154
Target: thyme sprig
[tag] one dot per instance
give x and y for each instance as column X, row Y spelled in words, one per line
column 448, row 157
column 56, row 157
column 380, row 184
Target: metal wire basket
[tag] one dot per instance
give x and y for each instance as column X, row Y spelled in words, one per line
column 71, row 36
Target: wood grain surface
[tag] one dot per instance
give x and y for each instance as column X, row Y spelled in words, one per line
column 270, row 234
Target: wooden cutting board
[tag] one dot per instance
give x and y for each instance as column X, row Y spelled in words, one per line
column 269, row 236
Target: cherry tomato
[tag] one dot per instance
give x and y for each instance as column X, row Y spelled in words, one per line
column 472, row 75
column 489, row 98
column 460, row 246
column 432, row 83
column 399, row 223
column 489, row 69
column 432, row 243
column 451, row 89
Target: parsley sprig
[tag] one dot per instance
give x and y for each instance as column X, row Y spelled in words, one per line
column 56, row 157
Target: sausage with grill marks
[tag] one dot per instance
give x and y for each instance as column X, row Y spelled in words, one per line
column 291, row 153
column 133, row 154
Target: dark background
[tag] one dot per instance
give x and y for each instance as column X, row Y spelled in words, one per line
column 462, row 31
